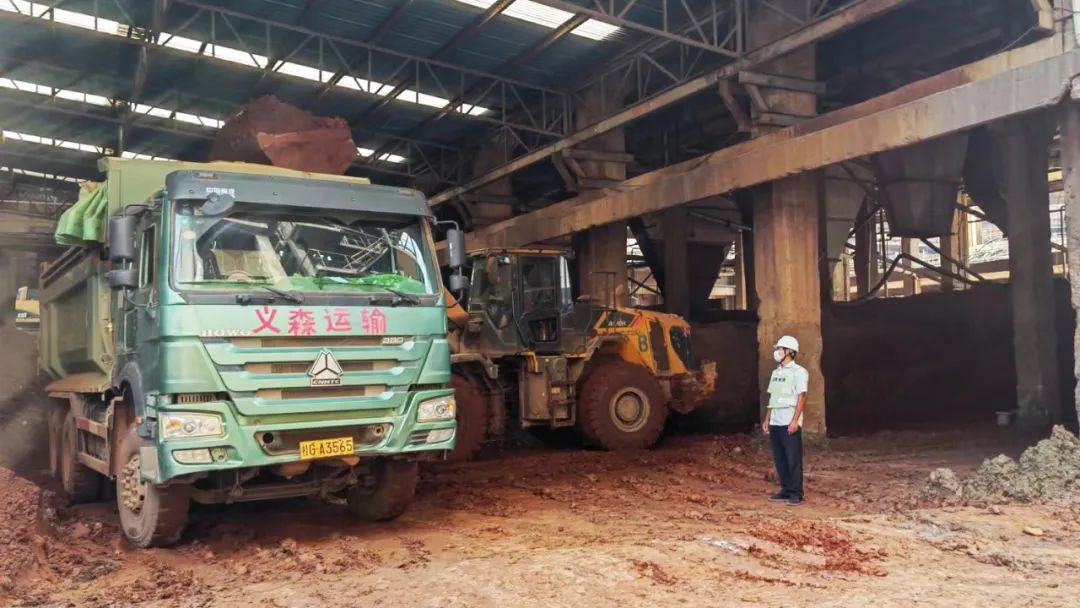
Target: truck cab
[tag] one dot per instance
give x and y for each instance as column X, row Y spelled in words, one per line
column 253, row 335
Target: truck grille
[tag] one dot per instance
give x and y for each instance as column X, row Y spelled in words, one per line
column 320, row 392
column 302, row 367
column 307, row 342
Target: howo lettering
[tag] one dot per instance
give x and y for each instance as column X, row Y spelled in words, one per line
column 243, row 332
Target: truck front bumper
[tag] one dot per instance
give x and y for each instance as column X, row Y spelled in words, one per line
column 267, row 441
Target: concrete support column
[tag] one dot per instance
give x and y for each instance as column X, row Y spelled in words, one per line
column 788, row 223
column 955, row 246
column 676, row 262
column 601, row 251
column 1070, row 164
column 1025, row 149
column 601, row 264
column 866, row 255
column 741, row 299
column 911, row 278
column 492, row 202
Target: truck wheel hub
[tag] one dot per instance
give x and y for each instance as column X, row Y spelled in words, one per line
column 629, row 410
column 132, row 487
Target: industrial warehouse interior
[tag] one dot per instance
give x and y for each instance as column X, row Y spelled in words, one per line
column 490, row 303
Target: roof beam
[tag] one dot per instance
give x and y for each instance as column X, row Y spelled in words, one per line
column 439, row 163
column 211, row 8
column 462, row 36
column 708, row 37
column 375, row 38
column 434, row 71
column 826, row 27
column 514, row 62
column 1023, row 80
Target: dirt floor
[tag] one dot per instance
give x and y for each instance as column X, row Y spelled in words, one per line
column 684, row 525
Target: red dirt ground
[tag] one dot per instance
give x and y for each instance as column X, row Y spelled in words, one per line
column 684, row 525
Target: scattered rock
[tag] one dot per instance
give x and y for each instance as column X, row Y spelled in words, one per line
column 1030, row 531
column 80, row 530
column 994, row 510
column 288, row 546
column 942, row 485
column 97, row 570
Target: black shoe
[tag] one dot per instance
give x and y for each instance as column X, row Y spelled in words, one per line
column 794, row 501
column 778, row 497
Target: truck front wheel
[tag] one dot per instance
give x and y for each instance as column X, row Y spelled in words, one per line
column 150, row 515
column 386, row 493
column 81, row 483
column 621, row 407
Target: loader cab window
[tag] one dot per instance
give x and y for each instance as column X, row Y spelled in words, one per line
column 540, row 307
column 540, row 283
column 491, row 289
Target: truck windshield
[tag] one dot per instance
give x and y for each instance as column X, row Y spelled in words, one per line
column 303, row 253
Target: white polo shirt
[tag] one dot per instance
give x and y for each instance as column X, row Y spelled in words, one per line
column 783, row 416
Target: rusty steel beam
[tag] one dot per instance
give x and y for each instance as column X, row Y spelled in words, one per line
column 1027, row 79
column 816, row 31
column 29, row 225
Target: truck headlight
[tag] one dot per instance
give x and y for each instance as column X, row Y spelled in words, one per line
column 440, row 408
column 187, row 425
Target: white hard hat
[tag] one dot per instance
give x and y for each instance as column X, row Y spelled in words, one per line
column 788, row 342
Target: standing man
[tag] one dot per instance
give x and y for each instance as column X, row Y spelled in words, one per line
column 783, row 420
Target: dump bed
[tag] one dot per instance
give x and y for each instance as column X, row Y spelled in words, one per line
column 75, row 336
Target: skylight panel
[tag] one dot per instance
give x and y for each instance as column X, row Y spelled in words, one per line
column 549, row 17
column 31, row 173
column 393, row 158
column 56, row 143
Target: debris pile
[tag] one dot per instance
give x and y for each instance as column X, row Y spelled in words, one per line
column 1046, row 470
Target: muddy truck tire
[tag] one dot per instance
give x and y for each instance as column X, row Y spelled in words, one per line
column 621, row 407
column 150, row 515
column 386, row 493
column 472, row 419
column 81, row 484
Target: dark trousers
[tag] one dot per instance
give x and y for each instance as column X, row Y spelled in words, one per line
column 787, row 456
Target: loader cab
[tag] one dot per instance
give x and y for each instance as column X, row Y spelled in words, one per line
column 521, row 299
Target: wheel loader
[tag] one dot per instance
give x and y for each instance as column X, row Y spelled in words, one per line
column 524, row 352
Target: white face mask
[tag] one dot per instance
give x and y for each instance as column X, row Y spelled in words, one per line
column 778, row 355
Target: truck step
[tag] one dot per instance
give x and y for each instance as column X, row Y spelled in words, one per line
column 92, row 427
column 94, row 463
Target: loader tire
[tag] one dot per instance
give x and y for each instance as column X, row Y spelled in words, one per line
column 472, row 419
column 150, row 515
column 81, row 483
column 388, row 492
column 621, row 407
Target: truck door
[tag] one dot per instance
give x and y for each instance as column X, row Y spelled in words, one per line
column 140, row 307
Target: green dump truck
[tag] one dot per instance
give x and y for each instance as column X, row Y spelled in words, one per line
column 226, row 332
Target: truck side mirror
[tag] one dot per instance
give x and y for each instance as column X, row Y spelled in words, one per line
column 122, row 238
column 455, row 240
column 125, row 278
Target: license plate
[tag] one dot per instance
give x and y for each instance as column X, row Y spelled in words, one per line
column 326, row 448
